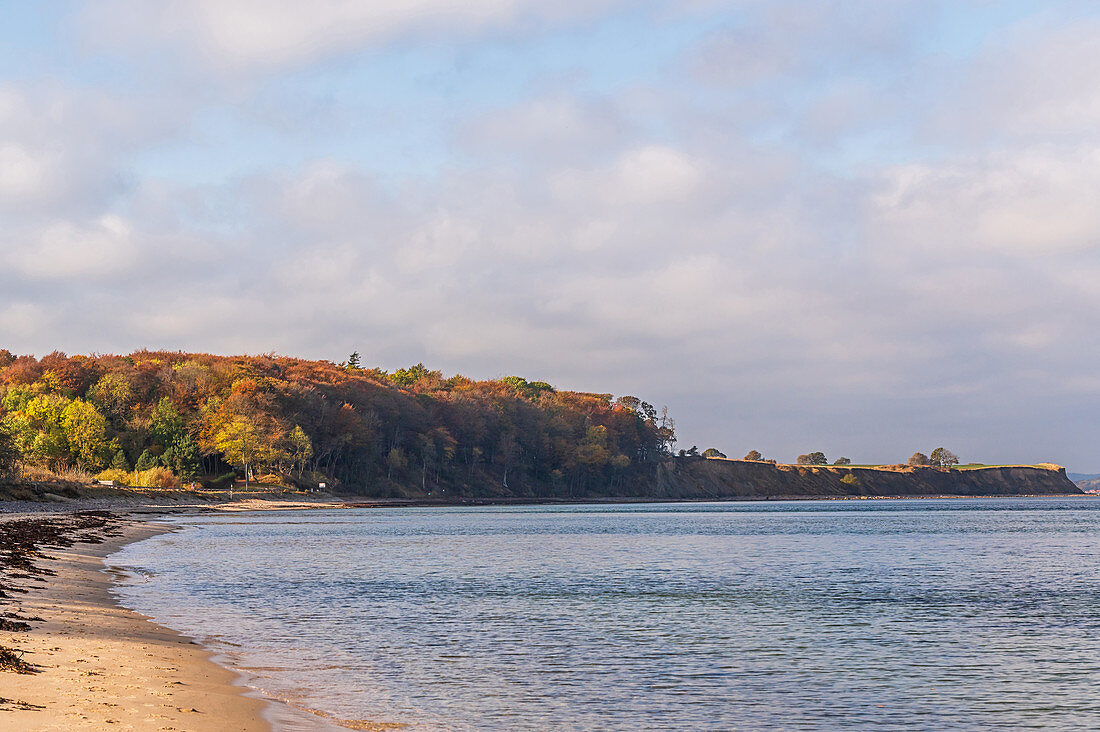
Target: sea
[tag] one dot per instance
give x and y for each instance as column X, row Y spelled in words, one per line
column 809, row 615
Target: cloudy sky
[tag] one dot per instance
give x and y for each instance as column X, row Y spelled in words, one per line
column 859, row 226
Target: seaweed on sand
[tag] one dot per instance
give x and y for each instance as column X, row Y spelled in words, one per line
column 21, row 545
column 12, row 660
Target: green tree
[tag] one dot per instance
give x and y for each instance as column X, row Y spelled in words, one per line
column 178, row 451
column 843, row 461
column 146, row 461
column 119, row 462
column 813, row 458
column 353, row 362
column 9, row 453
column 713, row 452
column 408, row 377
column 753, row 455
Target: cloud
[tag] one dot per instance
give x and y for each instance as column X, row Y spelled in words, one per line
column 649, row 175
column 68, row 148
column 269, row 34
column 1033, row 202
column 815, row 230
column 66, row 251
column 1036, row 81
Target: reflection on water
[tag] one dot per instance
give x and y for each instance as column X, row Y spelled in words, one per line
column 805, row 615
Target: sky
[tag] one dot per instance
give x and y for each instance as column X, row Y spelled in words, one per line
column 866, row 227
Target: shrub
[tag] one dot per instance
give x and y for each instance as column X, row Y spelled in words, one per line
column 850, row 480
column 121, row 477
column 158, row 477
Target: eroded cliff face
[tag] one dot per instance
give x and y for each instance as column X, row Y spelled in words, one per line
column 720, row 479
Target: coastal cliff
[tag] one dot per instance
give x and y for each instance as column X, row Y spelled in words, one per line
column 722, row 479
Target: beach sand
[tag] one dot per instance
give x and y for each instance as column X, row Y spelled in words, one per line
column 104, row 667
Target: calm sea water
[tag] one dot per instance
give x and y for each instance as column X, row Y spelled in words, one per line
column 927, row 614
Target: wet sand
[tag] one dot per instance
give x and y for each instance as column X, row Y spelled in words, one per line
column 105, row 667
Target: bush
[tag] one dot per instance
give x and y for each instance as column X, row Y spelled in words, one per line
column 120, row 477
column 850, row 480
column 158, row 477
column 41, row 474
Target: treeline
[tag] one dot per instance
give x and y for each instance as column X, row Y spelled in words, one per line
column 164, row 418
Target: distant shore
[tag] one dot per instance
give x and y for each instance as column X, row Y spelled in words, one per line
column 141, row 505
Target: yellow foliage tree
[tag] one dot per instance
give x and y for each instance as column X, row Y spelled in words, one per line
column 244, row 446
column 86, row 432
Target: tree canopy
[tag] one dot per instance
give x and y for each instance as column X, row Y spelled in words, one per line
column 199, row 417
column 943, row 458
column 919, row 459
column 813, row 458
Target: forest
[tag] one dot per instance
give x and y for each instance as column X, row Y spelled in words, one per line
column 166, row 419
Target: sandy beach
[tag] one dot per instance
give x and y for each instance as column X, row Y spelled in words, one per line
column 105, row 667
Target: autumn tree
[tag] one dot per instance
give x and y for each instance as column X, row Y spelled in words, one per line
column 919, row 459
column 753, row 455
column 241, row 445
column 38, row 427
column 299, row 448
column 115, row 395
column 943, row 458
column 86, row 433
column 842, row 461
column 813, row 458
column 352, row 426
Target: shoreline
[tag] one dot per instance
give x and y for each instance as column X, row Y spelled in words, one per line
column 152, row 510
column 101, row 664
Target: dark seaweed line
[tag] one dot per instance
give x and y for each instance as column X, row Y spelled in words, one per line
column 22, row 542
